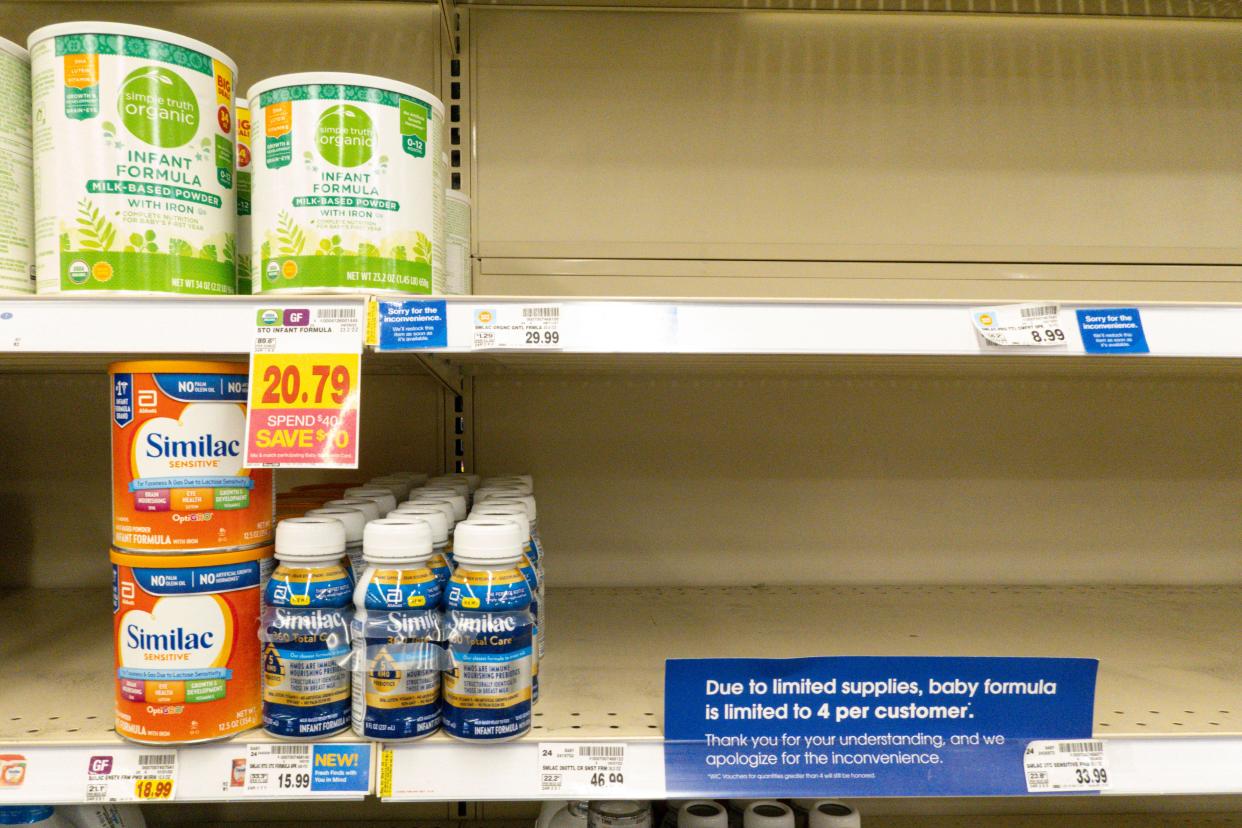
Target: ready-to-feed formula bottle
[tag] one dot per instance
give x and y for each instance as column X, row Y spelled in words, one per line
column 458, row 501
column 245, row 260
column 369, row 508
column 619, row 813
column 398, row 654
column 399, row 486
column 489, row 629
column 827, row 813
column 438, row 522
column 177, row 478
column 701, row 813
column 348, row 193
column 768, row 813
column 306, row 612
column 16, row 175
column 186, row 635
column 133, row 161
column 450, row 517
column 382, row 497
column 531, row 568
column 355, row 523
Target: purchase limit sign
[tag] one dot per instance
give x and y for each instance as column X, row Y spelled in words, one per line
column 305, row 387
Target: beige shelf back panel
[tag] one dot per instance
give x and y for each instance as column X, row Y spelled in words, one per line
column 392, row 39
column 55, row 492
column 806, row 136
column 771, row 476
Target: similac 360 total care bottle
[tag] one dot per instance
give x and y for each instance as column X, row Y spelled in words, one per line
column 445, row 493
column 383, row 497
column 396, row 633
column 305, row 629
column 435, row 518
column 487, row 688
column 354, row 521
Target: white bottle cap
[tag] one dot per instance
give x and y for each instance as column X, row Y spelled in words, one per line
column 400, row 488
column 351, row 518
column 405, row 538
column 310, row 539
column 455, row 483
column 488, row 542
column 768, row 813
column 369, row 508
column 508, row 495
column 450, row 514
column 515, row 513
column 525, row 479
column 383, row 497
column 447, row 495
column 829, row 813
column 472, row 480
column 415, row 478
column 512, row 486
column 432, row 514
column 702, row 813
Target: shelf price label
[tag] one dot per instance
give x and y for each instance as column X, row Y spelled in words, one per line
column 153, row 789
column 1028, row 325
column 1066, row 766
column 582, row 768
column 517, row 327
column 131, row 776
column 305, row 387
column 295, row 770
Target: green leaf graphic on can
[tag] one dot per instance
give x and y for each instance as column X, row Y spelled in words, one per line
column 158, row 107
column 345, row 136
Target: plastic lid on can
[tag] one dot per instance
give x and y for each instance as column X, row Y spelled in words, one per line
column 369, row 508
column 448, row 495
column 382, row 497
column 829, row 813
column 310, row 539
column 404, row 538
column 24, row 814
column 431, row 513
column 702, row 813
column 128, row 30
column 353, row 520
column 176, row 366
column 515, row 513
column 490, row 541
column 768, row 813
column 346, row 79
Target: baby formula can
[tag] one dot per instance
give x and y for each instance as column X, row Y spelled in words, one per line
column 305, row 629
column 243, row 255
column 133, row 152
column 16, row 174
column 186, row 641
column 487, row 688
column 621, row 813
column 398, row 656
column 457, row 242
column 438, row 522
column 177, row 476
column 383, row 498
column 354, row 521
column 349, row 193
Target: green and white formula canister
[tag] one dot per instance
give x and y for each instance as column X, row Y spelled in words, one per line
column 16, row 195
column 244, row 260
column 348, row 190
column 133, row 151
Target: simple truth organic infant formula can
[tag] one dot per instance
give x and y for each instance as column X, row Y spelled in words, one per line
column 186, row 634
column 16, row 194
column 177, row 477
column 244, row 259
column 133, row 161
column 348, row 191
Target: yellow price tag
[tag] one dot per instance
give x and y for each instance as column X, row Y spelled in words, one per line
column 153, row 789
column 385, row 773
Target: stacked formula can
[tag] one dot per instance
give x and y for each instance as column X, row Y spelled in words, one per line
column 431, row 622
column 191, row 546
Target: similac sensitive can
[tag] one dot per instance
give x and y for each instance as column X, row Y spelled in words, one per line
column 133, row 161
column 244, row 257
column 185, row 630
column 16, row 187
column 488, row 627
column 305, row 630
column 348, row 186
column 177, row 476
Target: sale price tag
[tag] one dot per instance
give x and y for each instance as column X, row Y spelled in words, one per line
column 1065, row 766
column 581, row 769
column 305, row 387
column 528, row 327
column 1029, row 325
column 131, row 776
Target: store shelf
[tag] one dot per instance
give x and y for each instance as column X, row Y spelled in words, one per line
column 1167, row 699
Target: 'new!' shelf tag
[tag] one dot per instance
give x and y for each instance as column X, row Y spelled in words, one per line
column 305, row 387
column 1029, row 325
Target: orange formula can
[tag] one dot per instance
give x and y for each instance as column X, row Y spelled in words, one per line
column 177, row 477
column 186, row 641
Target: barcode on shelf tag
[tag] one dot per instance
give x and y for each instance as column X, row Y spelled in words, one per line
column 1028, row 325
column 130, row 776
column 582, row 768
column 1053, row 766
column 525, row 327
column 278, row 769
